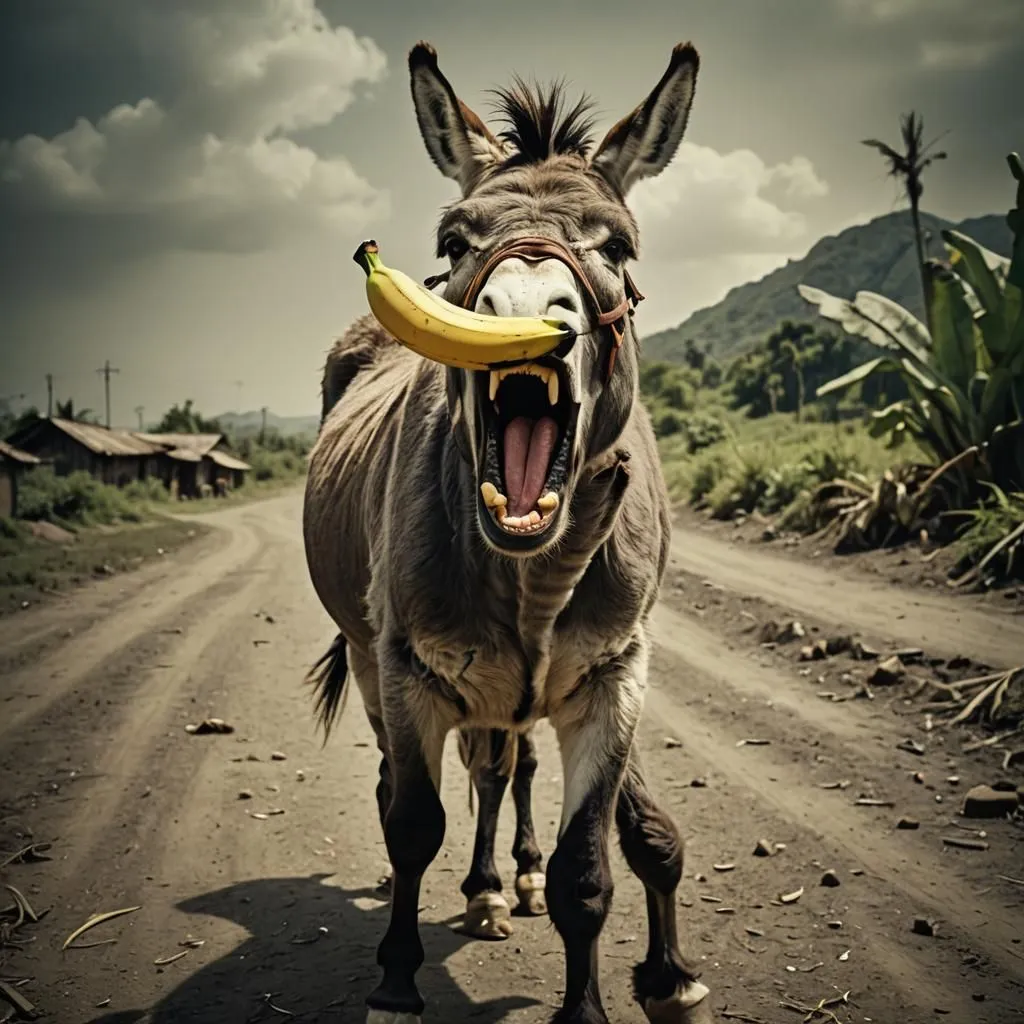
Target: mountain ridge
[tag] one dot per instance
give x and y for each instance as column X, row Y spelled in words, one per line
column 877, row 256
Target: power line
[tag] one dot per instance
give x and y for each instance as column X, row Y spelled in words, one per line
column 106, row 371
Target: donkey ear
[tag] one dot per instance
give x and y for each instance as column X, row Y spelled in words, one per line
column 456, row 139
column 643, row 142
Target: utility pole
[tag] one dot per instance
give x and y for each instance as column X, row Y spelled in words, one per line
column 49, row 395
column 263, row 425
column 139, row 410
column 106, row 372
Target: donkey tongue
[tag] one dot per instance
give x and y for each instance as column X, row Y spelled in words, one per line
column 528, row 448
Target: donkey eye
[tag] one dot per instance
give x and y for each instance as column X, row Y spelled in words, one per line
column 614, row 250
column 455, row 248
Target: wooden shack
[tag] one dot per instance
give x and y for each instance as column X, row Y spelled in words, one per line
column 111, row 456
column 200, row 463
column 13, row 462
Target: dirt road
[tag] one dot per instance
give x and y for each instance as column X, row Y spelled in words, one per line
column 280, row 888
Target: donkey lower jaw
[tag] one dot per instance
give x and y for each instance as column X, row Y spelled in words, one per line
column 487, row 917
column 687, row 1005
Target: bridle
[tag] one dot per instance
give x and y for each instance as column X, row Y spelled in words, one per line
column 535, row 248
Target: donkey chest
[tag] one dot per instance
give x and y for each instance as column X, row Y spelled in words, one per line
column 511, row 681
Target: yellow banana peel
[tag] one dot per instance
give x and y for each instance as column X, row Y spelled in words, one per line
column 449, row 334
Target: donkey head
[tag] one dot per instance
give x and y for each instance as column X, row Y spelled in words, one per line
column 529, row 432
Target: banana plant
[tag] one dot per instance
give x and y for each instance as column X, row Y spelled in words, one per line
column 965, row 377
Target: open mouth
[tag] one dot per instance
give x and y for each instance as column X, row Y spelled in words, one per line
column 528, row 422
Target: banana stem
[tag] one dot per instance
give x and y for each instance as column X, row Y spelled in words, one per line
column 366, row 256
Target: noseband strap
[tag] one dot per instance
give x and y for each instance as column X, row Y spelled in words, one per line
column 534, row 249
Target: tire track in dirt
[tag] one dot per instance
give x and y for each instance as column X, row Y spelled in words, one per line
column 941, row 624
column 785, row 785
column 38, row 686
column 66, row 614
column 208, row 648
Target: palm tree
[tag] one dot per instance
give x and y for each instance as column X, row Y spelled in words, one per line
column 909, row 167
column 794, row 363
column 67, row 411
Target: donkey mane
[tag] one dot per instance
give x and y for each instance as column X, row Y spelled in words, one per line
column 539, row 125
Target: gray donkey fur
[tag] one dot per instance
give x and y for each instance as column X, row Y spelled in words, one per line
column 448, row 621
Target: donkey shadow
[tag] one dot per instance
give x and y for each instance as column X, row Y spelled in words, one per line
column 325, row 980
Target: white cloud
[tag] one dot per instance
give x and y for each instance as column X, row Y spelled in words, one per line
column 211, row 165
column 710, row 204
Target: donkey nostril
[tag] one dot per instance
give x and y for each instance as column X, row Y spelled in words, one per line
column 564, row 300
column 494, row 302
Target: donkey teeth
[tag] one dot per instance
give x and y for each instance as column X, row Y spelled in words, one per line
column 546, row 374
column 553, row 388
column 493, row 498
column 521, row 522
column 548, row 502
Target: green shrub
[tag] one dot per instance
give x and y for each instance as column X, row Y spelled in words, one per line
column 149, row 489
column 703, row 430
column 667, row 423
column 708, row 473
column 75, row 499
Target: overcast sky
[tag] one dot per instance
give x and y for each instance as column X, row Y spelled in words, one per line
column 183, row 182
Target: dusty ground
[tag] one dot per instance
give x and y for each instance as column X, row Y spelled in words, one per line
column 97, row 688
column 35, row 568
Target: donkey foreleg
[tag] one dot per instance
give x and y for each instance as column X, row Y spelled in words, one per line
column 595, row 728
column 413, row 832
column 664, row 984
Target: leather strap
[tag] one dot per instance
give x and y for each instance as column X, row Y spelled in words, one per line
column 535, row 248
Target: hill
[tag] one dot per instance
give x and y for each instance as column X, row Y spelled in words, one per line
column 877, row 256
column 248, row 424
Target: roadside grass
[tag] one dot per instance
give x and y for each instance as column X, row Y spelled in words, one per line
column 32, row 569
column 772, row 463
column 108, row 529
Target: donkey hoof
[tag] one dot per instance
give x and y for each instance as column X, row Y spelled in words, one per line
column 530, row 890
column 687, row 1005
column 387, row 1017
column 487, row 916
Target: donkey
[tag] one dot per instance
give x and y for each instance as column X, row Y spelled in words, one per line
column 491, row 544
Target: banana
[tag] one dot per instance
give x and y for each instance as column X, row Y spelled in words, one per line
column 449, row 334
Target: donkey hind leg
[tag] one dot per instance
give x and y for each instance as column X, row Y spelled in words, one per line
column 365, row 672
column 530, row 880
column 487, row 911
column 413, row 832
column 664, row 985
column 595, row 731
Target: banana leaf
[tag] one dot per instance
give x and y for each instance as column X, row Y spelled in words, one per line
column 895, row 329
column 882, row 322
column 953, row 333
column 984, row 270
column 1015, row 220
column 882, row 364
column 900, row 324
column 996, row 399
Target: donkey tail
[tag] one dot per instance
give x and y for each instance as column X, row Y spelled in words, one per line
column 329, row 679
